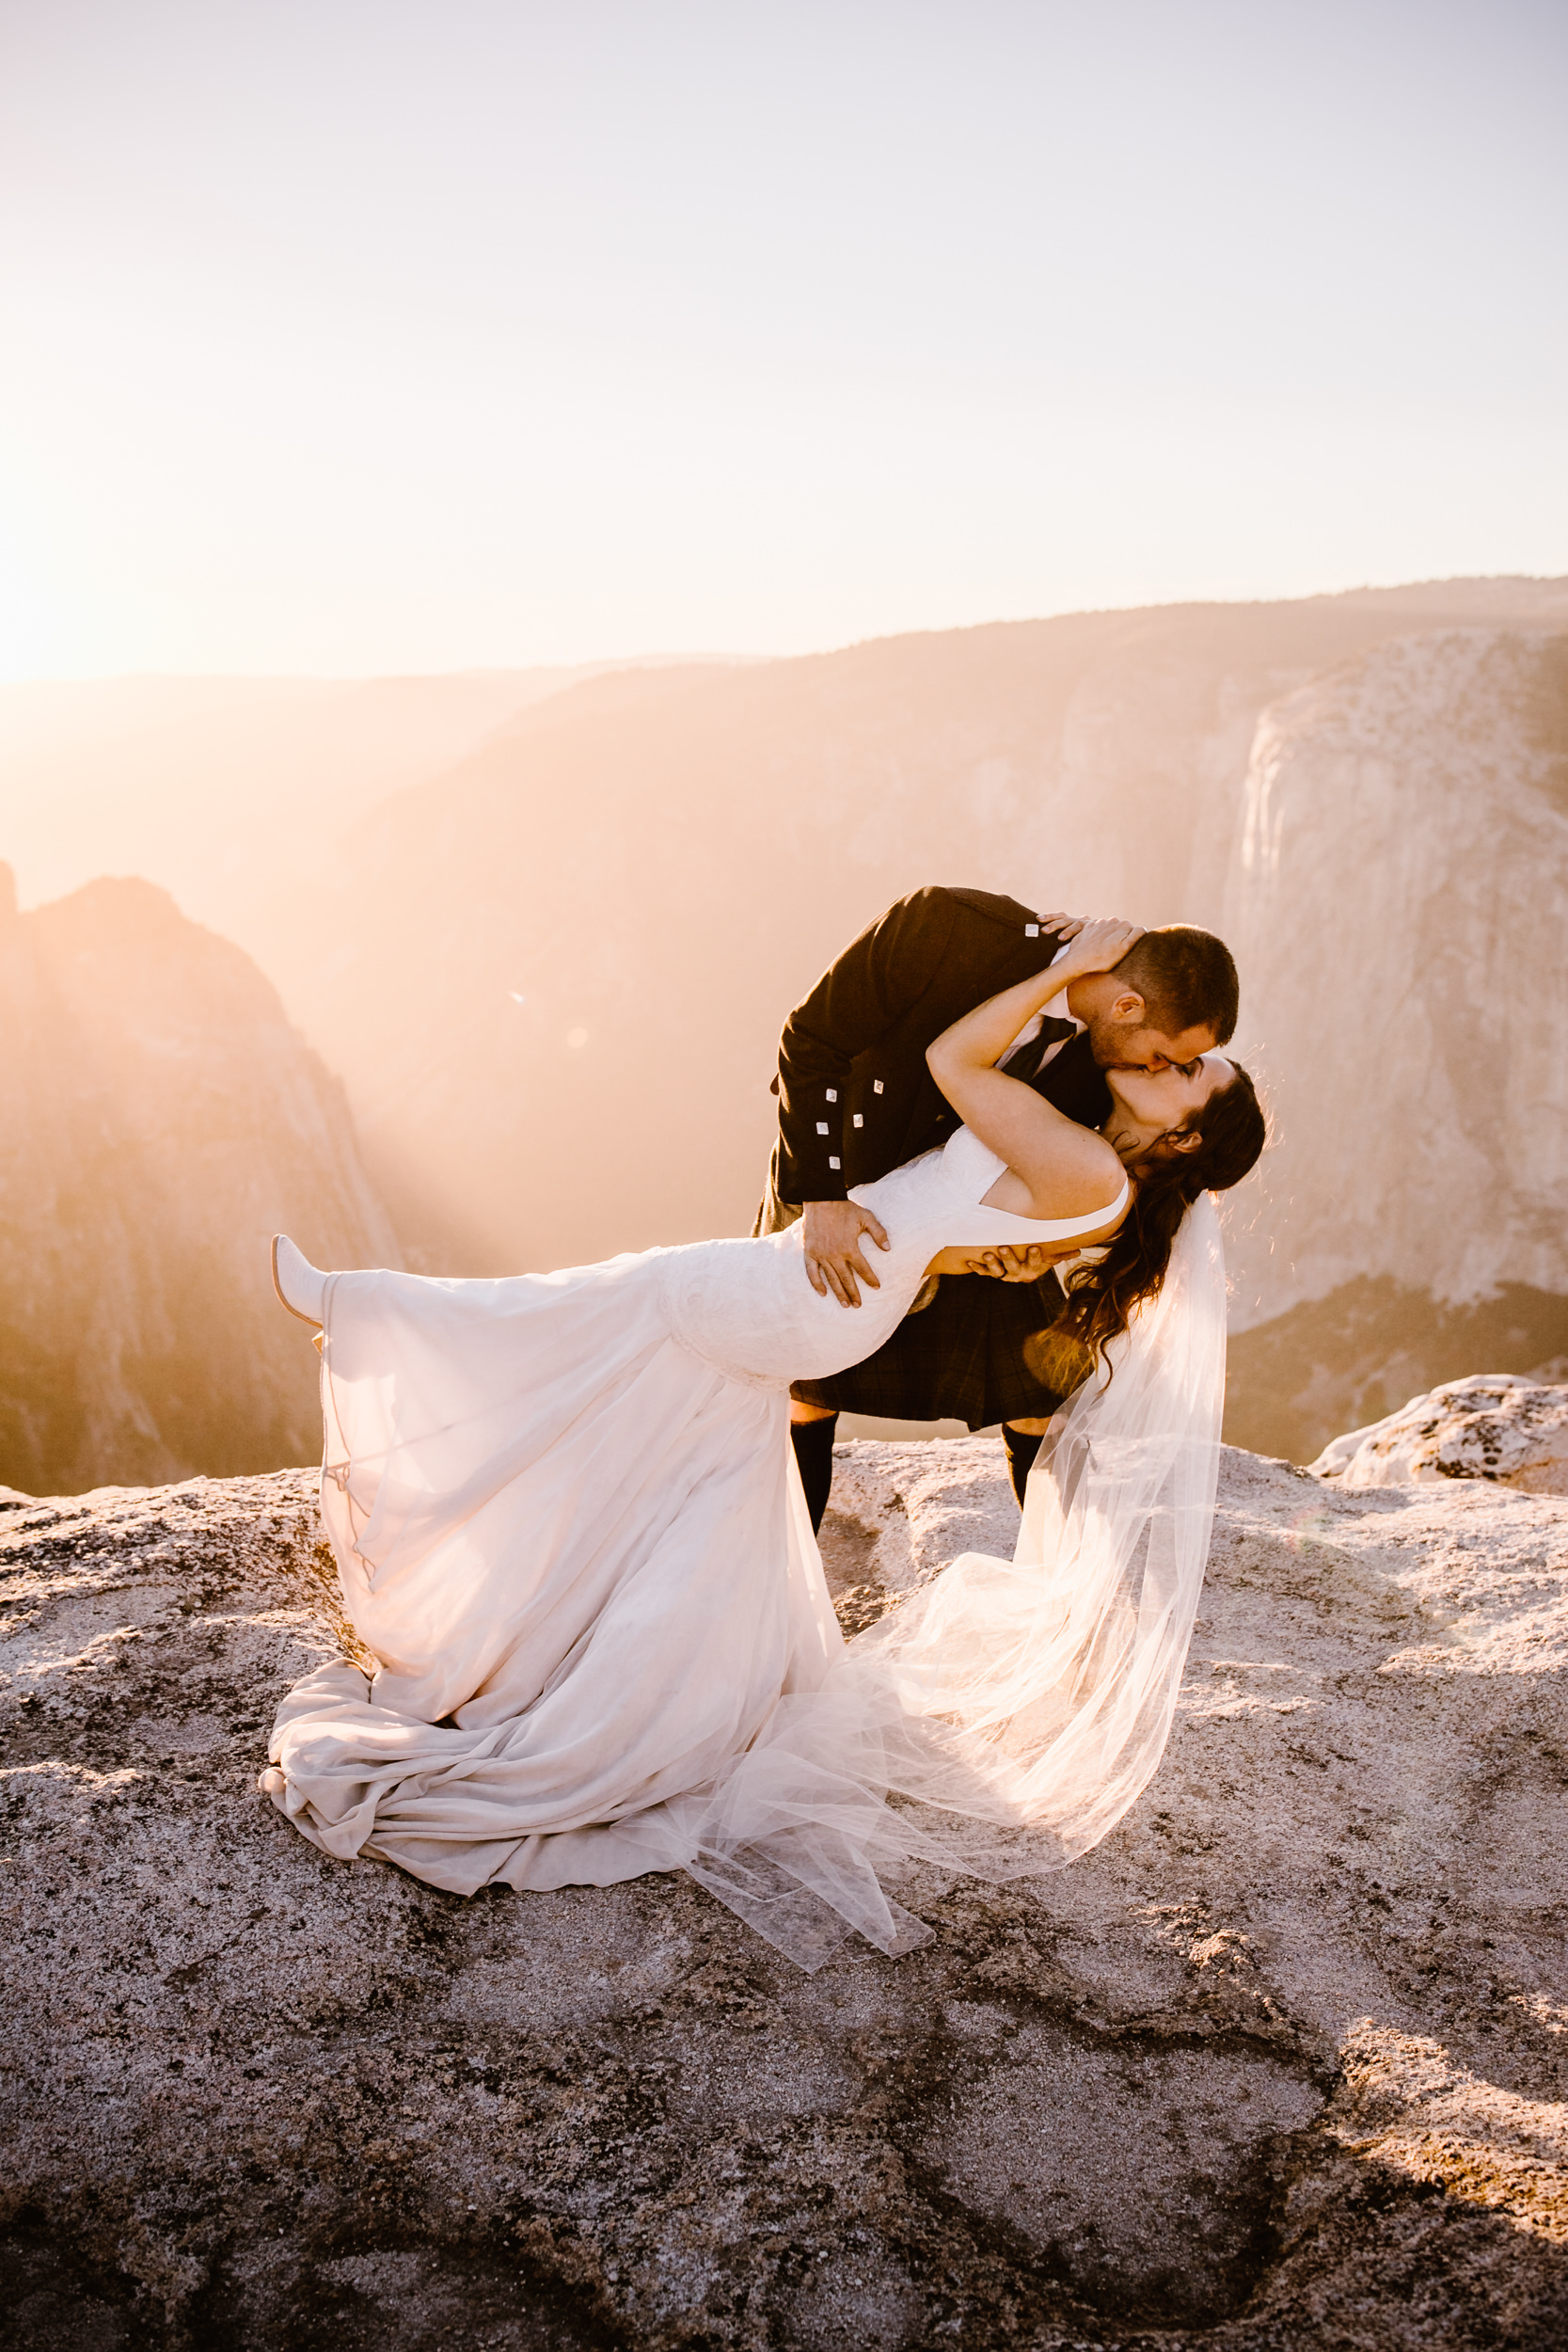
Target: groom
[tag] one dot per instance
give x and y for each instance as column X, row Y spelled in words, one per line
column 856, row 1098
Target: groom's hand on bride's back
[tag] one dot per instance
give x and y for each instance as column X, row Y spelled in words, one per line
column 832, row 1236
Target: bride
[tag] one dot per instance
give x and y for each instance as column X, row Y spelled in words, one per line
column 570, row 1533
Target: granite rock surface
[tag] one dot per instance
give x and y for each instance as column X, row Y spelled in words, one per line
column 1283, row 2062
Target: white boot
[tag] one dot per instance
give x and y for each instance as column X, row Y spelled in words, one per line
column 301, row 1286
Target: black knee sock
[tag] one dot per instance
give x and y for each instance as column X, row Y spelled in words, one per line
column 1022, row 1446
column 813, row 1455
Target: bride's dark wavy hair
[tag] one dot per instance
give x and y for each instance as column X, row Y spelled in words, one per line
column 1101, row 1298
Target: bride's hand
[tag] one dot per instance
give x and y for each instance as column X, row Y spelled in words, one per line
column 1008, row 1262
column 1099, row 942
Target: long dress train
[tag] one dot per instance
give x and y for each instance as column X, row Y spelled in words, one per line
column 567, row 1526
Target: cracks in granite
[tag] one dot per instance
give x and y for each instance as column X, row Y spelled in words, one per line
column 271, row 2099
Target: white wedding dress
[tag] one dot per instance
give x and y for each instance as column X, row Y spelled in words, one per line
column 568, row 1528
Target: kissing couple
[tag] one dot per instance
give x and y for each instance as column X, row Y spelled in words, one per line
column 573, row 1533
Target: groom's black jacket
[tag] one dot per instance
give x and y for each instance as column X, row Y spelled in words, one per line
column 855, row 1096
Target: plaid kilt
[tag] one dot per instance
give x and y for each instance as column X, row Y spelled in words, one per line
column 982, row 1352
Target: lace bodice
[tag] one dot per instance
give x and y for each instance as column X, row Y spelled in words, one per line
column 748, row 1306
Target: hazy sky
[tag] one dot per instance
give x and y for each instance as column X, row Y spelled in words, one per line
column 364, row 335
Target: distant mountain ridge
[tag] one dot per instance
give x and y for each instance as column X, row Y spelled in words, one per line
column 674, row 857
column 159, row 1120
column 218, row 787
column 552, row 974
column 655, row 867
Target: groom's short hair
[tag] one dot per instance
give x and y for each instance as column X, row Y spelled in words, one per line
column 1187, row 979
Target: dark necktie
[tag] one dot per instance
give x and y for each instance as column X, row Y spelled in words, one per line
column 1024, row 1061
column 1074, row 1083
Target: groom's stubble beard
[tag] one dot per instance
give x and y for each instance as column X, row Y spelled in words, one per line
column 1110, row 1042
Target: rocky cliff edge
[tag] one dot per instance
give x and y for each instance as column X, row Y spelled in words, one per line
column 1283, row 2062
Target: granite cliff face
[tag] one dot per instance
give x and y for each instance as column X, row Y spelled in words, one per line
column 1283, row 2062
column 159, row 1120
column 1397, row 903
column 1401, row 897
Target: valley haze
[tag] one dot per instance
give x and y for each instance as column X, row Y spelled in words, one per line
column 545, row 926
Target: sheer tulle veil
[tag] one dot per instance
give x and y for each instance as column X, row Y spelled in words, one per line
column 1001, row 1720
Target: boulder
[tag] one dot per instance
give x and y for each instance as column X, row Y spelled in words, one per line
column 1283, row 2062
column 1494, row 1426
